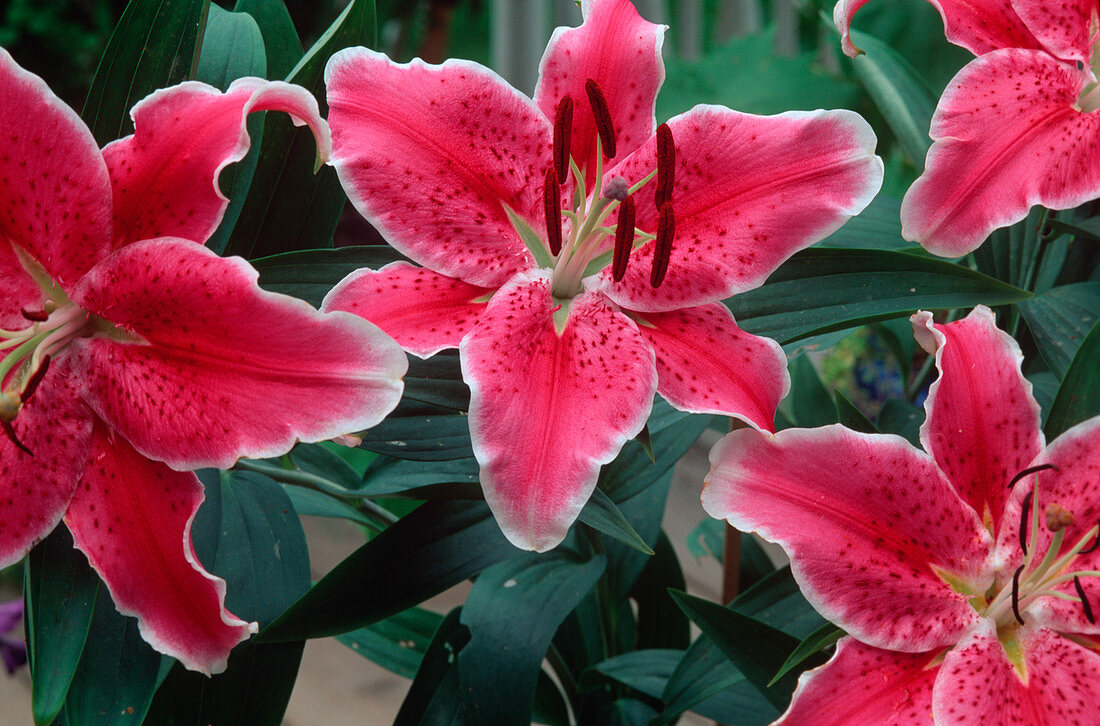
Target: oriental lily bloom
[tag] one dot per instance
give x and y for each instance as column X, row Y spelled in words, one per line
column 966, row 576
column 131, row 353
column 574, row 251
column 1016, row 127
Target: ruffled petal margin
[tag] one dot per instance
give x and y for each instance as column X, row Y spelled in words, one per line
column 1060, row 684
column 749, row 192
column 165, row 175
column 1006, row 136
column 706, row 364
column 1063, row 27
column 982, row 426
column 132, row 518
column 979, row 27
column 423, row 311
column 547, row 410
column 226, row 369
column 867, row 521
column 863, row 685
column 619, row 50
column 55, row 195
column 434, row 172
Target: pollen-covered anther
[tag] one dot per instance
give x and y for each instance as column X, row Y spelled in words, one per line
column 666, row 166
column 624, row 238
column 551, row 209
column 35, row 316
column 1057, row 517
column 563, row 132
column 10, row 404
column 1085, row 604
column 662, row 246
column 32, row 383
column 601, row 113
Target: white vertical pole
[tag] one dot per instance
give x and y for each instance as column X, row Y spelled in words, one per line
column 520, row 29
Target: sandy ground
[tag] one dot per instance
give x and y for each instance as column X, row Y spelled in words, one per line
column 352, row 691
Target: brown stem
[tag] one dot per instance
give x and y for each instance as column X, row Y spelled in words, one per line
column 731, row 564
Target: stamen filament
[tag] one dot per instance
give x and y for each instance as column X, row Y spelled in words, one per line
column 15, row 358
column 1030, row 470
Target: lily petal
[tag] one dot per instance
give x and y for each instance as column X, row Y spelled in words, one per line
column 20, row 291
column 750, row 191
column 977, row 26
column 879, row 687
column 165, row 175
column 619, row 50
column 1062, row 28
column 55, row 195
column 226, row 370
column 132, row 518
column 1006, row 137
column 431, row 172
column 35, row 490
column 706, row 364
column 977, row 683
column 547, row 410
column 867, row 521
column 982, row 426
column 423, row 311
column 1074, row 486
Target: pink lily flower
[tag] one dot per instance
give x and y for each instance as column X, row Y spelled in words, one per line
column 132, row 354
column 1016, row 127
column 966, row 577
column 568, row 319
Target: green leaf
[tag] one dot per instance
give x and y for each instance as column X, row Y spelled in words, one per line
column 876, row 227
column 282, row 47
column 247, row 533
column 1059, row 320
column 117, row 674
column 60, row 590
column 848, row 413
column 756, row 649
column 1011, row 253
column 397, row 643
column 660, row 623
column 310, row 274
column 512, row 612
column 601, row 513
column 1078, row 397
column 434, row 698
column 436, row 546
column 288, row 206
column 437, row 436
column 732, row 700
column 814, row 643
column 901, row 95
column 821, row 290
column 307, row 502
column 810, row 403
column 898, row 416
column 153, row 46
column 233, row 48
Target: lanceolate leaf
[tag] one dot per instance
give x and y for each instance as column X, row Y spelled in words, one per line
column 60, row 590
column 757, row 650
column 154, row 45
column 397, row 643
column 899, row 93
column 1059, row 320
column 1079, row 395
column 438, row 545
column 821, row 290
column 512, row 613
column 1011, row 253
column 310, row 274
column 288, row 206
column 817, row 641
column 248, row 533
column 281, row 44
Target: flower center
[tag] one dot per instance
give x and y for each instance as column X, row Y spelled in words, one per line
column 1089, row 100
column 27, row 352
column 1043, row 572
column 581, row 240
